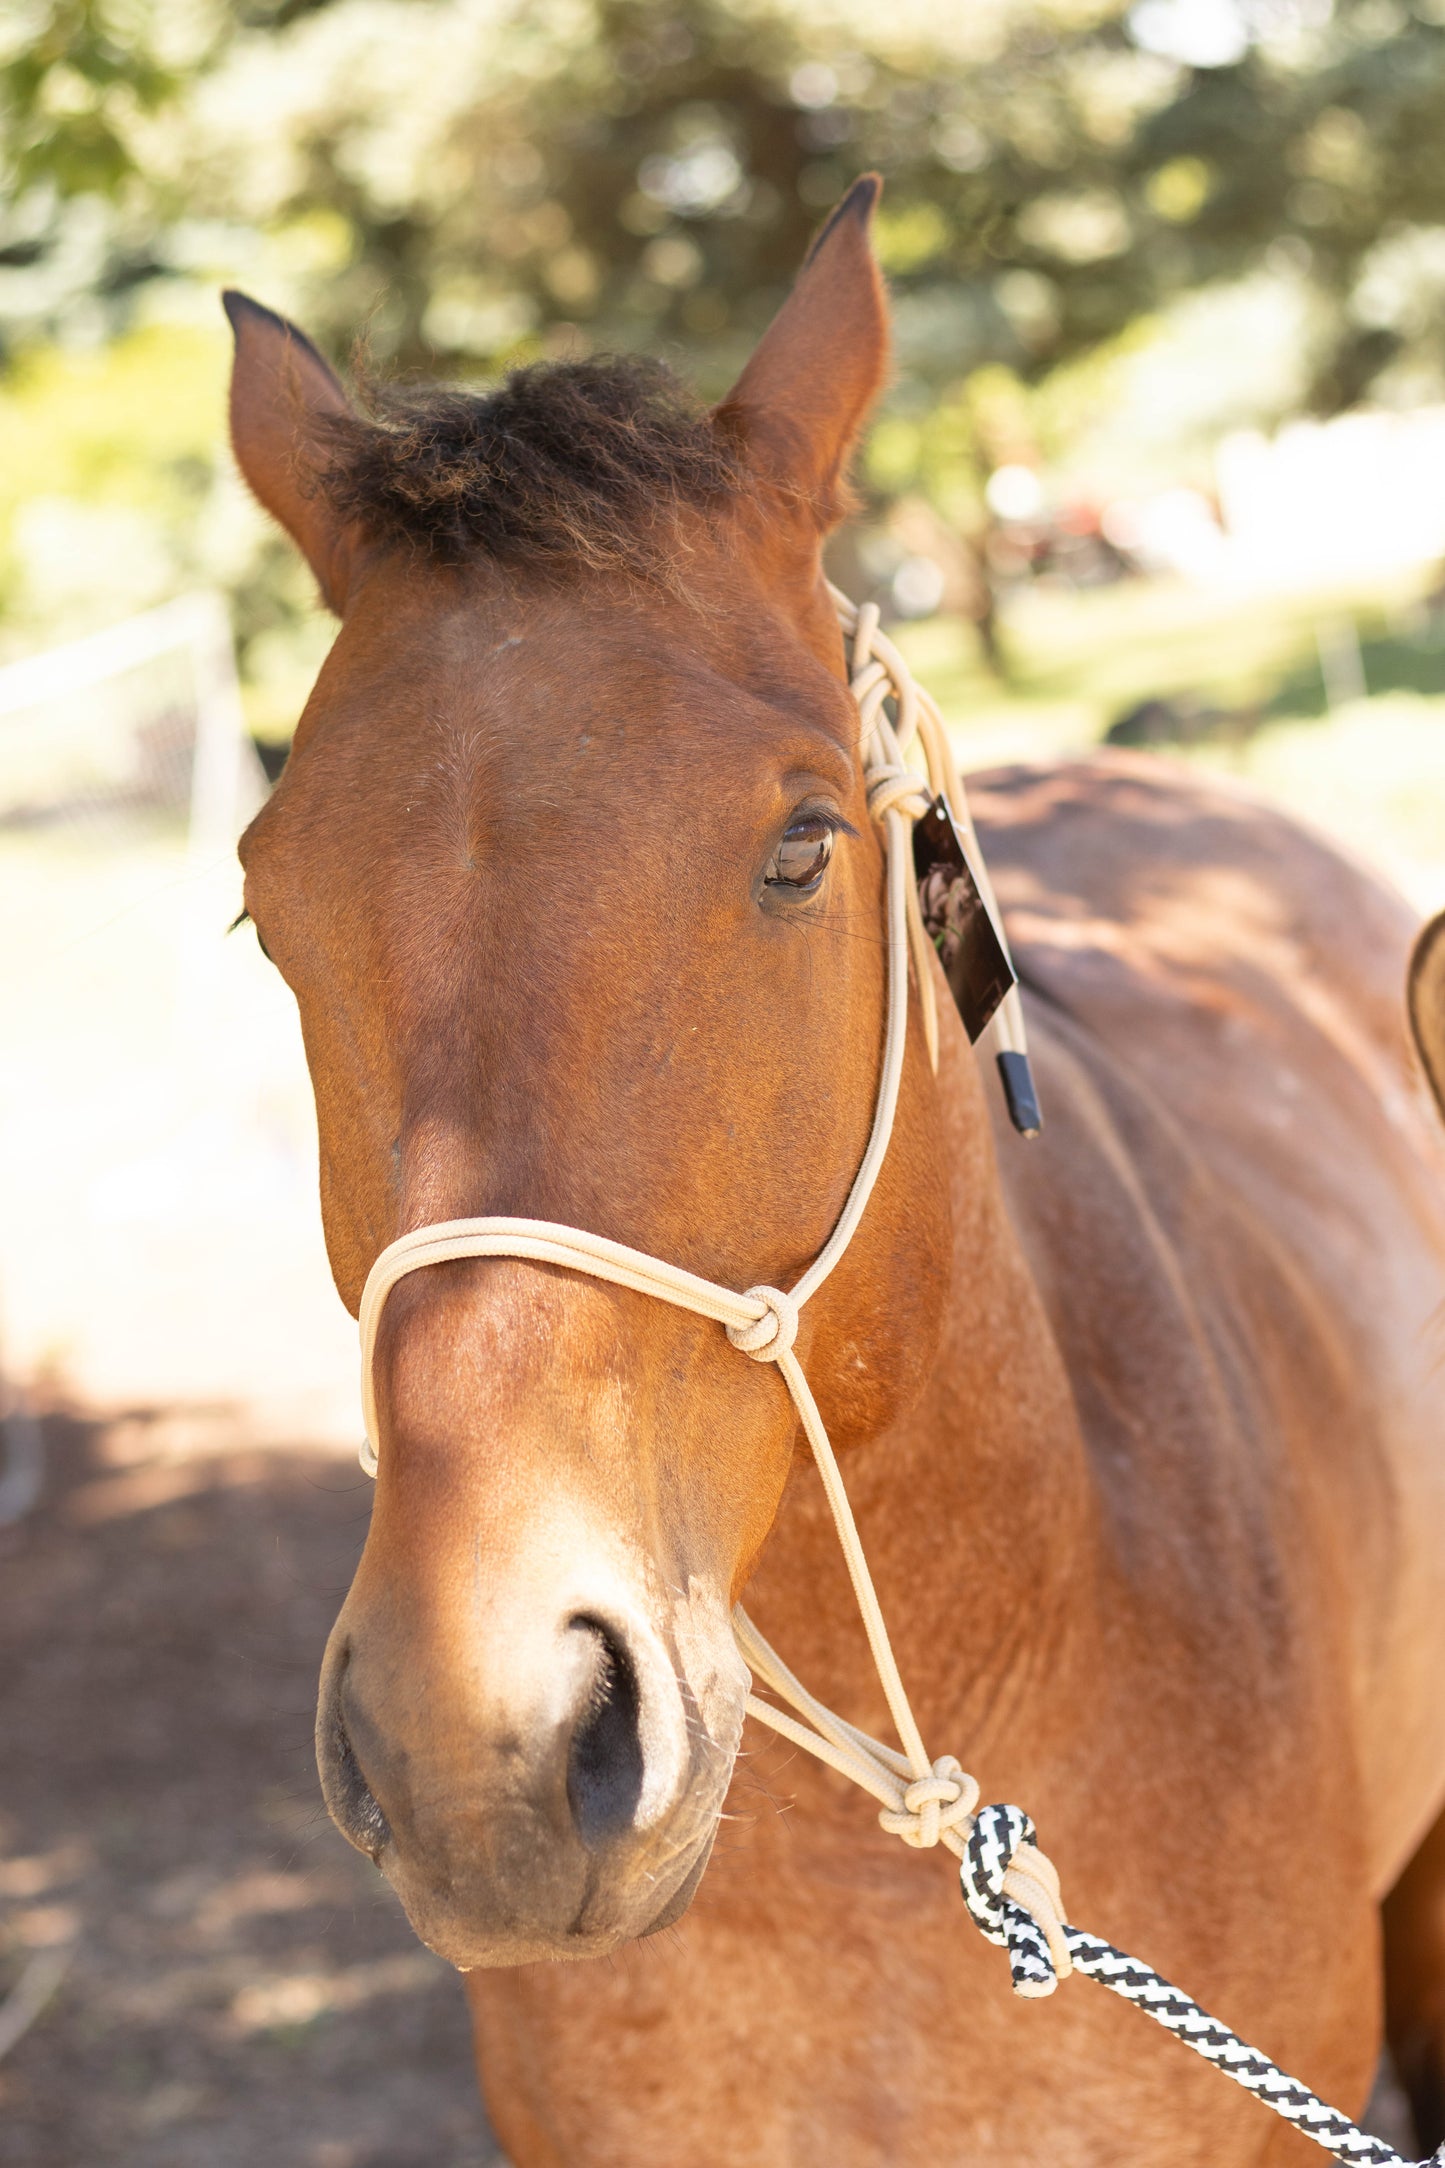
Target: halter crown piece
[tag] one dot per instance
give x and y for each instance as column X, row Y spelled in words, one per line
column 1010, row 1888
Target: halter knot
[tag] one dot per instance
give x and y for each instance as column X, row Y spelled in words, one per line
column 898, row 790
column 769, row 1337
column 932, row 1804
column 1012, row 1893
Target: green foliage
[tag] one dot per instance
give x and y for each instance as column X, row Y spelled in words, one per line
column 467, row 186
column 74, row 74
column 617, row 172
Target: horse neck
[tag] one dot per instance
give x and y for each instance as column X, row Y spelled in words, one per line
column 975, row 1509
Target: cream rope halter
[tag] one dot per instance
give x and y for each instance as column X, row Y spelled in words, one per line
column 923, row 1801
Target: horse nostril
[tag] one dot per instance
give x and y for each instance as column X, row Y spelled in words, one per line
column 604, row 1762
column 350, row 1798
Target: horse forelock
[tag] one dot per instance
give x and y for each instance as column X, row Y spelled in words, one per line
column 566, row 465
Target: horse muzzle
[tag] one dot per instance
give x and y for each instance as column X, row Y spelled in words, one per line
column 533, row 1770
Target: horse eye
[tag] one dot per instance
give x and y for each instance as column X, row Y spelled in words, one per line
column 802, row 856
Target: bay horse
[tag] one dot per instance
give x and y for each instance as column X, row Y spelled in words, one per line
column 573, row 878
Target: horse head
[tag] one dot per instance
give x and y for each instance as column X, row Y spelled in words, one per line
column 571, row 873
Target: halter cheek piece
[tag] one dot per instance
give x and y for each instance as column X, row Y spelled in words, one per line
column 1010, row 1887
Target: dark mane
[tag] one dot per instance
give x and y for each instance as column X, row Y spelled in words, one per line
column 567, row 463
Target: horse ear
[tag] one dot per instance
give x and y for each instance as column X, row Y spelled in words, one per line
column 281, row 390
column 802, row 399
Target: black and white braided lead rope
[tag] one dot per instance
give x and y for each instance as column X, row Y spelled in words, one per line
column 996, row 1835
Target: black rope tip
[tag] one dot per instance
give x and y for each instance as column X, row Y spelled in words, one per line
column 1018, row 1090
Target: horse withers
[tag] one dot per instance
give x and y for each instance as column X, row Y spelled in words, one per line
column 572, row 874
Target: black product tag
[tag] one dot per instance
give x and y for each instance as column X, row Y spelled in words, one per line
column 957, row 919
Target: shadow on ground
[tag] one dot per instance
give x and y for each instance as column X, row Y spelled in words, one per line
column 241, row 1987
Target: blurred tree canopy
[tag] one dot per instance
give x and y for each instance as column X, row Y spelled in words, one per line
column 652, row 169
column 469, row 183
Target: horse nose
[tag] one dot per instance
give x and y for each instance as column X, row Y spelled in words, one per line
column 544, row 1784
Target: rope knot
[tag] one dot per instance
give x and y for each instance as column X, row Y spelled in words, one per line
column 769, row 1337
column 897, row 790
column 1012, row 1893
column 932, row 1804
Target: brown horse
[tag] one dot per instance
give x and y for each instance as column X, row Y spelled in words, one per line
column 571, row 873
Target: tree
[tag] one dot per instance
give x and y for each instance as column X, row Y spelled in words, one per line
column 474, row 189
column 1053, row 171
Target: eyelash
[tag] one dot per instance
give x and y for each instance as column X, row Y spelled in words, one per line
column 244, row 918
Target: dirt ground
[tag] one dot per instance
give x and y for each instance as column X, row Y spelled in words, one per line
column 241, row 1986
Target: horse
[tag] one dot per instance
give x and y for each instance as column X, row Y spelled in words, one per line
column 572, row 874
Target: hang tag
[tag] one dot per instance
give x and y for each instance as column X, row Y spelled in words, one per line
column 958, row 921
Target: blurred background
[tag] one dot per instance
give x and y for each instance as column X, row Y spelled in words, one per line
column 1162, row 462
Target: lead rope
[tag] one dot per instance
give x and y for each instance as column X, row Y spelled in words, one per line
column 1010, row 1887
